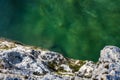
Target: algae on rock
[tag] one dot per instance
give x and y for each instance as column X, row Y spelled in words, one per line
column 25, row 62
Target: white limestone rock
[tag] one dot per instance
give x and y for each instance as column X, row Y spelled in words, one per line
column 110, row 54
column 86, row 70
column 22, row 62
column 109, row 64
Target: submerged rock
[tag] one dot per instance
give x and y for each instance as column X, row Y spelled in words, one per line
column 22, row 62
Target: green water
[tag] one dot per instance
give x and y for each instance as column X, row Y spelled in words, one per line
column 77, row 28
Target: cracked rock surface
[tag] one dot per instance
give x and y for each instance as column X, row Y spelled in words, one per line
column 22, row 62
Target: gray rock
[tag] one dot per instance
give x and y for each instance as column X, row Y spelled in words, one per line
column 109, row 65
column 86, row 70
column 22, row 62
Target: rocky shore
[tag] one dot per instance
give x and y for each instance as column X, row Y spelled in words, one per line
column 23, row 62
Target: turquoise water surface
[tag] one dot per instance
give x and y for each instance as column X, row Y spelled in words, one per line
column 77, row 28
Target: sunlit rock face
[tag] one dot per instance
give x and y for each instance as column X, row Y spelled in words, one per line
column 22, row 62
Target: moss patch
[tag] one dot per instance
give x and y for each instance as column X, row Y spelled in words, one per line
column 75, row 64
column 55, row 67
column 1, row 65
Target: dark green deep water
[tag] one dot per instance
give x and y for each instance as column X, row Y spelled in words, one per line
column 77, row 28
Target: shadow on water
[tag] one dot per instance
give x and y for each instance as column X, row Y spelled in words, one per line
column 11, row 13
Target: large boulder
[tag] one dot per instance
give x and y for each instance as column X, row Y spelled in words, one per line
column 23, row 62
